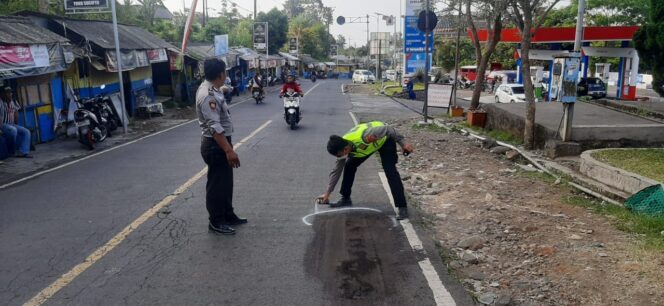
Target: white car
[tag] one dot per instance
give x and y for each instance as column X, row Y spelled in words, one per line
column 391, row 75
column 363, row 76
column 510, row 93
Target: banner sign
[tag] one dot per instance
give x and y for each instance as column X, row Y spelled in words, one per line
column 220, row 45
column 415, row 61
column 78, row 5
column 26, row 60
column 157, row 55
column 439, row 95
column 413, row 7
column 292, row 45
column 414, row 38
column 23, row 56
column 260, row 36
column 130, row 60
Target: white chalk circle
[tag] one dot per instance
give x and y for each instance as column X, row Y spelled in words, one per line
column 306, row 218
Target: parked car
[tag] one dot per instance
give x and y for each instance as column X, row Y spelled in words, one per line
column 363, row 76
column 593, row 87
column 390, row 75
column 510, row 93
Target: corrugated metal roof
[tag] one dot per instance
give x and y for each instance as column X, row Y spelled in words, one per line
column 21, row 30
column 101, row 34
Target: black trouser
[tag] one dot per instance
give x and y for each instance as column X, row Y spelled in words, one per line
column 219, row 187
column 389, row 159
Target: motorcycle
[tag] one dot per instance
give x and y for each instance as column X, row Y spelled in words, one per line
column 257, row 94
column 313, row 78
column 91, row 126
column 292, row 108
column 228, row 90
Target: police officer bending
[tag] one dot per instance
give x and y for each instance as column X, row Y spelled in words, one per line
column 357, row 146
column 217, row 148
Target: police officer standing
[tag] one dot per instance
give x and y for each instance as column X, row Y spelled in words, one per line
column 357, row 146
column 217, row 149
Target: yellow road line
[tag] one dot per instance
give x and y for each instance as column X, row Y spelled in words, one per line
column 98, row 254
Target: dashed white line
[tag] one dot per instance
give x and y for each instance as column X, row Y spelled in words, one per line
column 440, row 294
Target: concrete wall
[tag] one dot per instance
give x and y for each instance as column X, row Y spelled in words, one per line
column 500, row 119
column 646, row 134
column 620, row 179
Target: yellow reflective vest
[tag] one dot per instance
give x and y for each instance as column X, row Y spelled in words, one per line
column 363, row 149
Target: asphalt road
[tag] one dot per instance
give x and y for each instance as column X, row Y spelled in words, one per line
column 52, row 223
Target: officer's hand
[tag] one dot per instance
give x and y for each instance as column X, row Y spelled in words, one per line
column 233, row 159
column 408, row 148
column 323, row 199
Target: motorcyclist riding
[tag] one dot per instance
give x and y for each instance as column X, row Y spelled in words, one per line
column 257, row 84
column 291, row 84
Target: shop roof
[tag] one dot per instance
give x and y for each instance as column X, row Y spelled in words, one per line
column 21, row 30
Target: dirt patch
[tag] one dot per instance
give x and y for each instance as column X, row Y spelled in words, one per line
column 513, row 240
column 358, row 264
column 360, row 89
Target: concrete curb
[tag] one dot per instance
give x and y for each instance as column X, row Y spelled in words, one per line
column 620, row 179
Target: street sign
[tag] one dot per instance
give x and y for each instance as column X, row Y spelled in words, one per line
column 422, row 21
column 341, row 20
column 292, row 45
column 81, row 5
column 414, row 38
column 333, row 50
column 260, row 36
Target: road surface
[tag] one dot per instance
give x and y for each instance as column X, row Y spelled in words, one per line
column 129, row 227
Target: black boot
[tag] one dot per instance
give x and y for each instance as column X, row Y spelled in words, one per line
column 342, row 202
column 221, row 229
column 403, row 213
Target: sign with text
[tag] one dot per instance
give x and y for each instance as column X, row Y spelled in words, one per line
column 415, row 61
column 415, row 39
column 439, row 95
column 333, row 50
column 260, row 36
column 157, row 55
column 23, row 56
column 292, row 45
column 80, row 5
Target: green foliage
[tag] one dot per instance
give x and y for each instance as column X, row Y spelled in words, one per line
column 504, row 54
column 446, row 49
column 242, row 34
column 601, row 13
column 277, row 28
column 312, row 36
column 649, row 41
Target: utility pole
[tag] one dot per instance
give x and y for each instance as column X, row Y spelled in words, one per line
column 254, row 10
column 568, row 108
column 118, row 65
column 426, row 64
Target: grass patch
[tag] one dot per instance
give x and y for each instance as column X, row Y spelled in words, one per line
column 394, row 90
column 495, row 134
column 646, row 162
column 647, row 227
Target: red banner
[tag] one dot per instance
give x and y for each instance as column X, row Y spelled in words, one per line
column 16, row 56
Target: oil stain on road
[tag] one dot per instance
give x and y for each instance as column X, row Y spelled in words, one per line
column 362, row 258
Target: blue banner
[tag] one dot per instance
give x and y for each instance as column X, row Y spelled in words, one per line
column 415, row 61
column 414, row 40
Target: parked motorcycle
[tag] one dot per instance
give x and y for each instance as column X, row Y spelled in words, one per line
column 91, row 126
column 292, row 108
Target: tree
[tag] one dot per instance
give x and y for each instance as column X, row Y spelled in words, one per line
column 446, row 50
column 148, row 8
column 340, row 41
column 649, row 42
column 529, row 15
column 277, row 28
column 293, row 8
column 492, row 11
column 214, row 26
column 242, row 34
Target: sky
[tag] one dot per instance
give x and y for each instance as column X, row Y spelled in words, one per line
column 356, row 33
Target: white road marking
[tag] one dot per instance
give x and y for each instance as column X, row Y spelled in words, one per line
column 100, row 252
column 440, row 294
column 312, row 88
column 352, row 116
column 334, row 210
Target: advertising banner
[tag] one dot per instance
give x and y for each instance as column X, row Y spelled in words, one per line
column 157, row 55
column 23, row 56
column 439, row 95
column 415, row 61
column 260, row 36
column 292, row 45
column 221, row 45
